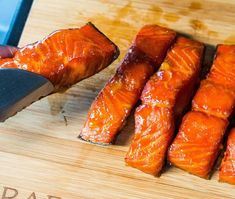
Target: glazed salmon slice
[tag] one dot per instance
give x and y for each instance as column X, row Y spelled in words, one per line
column 113, row 104
column 223, row 70
column 198, row 142
column 214, row 99
column 154, row 128
column 66, row 56
column 178, row 72
column 162, row 101
column 227, row 169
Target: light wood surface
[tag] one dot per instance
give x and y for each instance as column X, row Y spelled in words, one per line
column 39, row 149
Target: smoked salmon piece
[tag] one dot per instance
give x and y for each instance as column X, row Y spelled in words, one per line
column 112, row 106
column 223, row 101
column 154, row 128
column 198, row 142
column 66, row 56
column 223, row 70
column 164, row 98
column 227, row 169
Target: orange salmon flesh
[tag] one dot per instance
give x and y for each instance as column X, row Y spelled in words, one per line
column 114, row 103
column 164, row 98
column 227, row 169
column 66, row 56
column 197, row 145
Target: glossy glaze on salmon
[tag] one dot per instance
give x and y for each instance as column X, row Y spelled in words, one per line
column 164, row 98
column 110, row 109
column 214, row 99
column 198, row 142
column 227, row 169
column 66, row 56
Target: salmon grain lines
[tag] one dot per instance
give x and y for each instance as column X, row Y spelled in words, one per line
column 197, row 144
column 164, row 98
column 67, row 56
column 227, row 168
column 114, row 103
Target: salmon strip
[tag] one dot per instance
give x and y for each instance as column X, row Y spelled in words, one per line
column 198, row 142
column 114, row 103
column 164, row 98
column 66, row 56
column 223, row 101
column 227, row 169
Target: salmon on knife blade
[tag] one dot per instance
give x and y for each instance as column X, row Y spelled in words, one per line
column 66, row 56
column 58, row 61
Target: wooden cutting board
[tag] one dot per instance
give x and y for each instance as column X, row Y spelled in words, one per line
column 40, row 155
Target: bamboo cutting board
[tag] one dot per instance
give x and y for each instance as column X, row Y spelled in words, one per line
column 40, row 155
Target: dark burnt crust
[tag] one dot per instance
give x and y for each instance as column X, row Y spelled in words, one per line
column 117, row 51
column 96, row 143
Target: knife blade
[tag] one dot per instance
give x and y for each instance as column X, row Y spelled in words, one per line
column 20, row 88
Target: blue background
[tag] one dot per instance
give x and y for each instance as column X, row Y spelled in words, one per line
column 13, row 14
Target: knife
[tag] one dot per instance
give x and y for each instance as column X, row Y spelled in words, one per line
column 20, row 88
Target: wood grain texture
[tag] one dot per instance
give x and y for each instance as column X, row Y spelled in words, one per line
column 39, row 149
